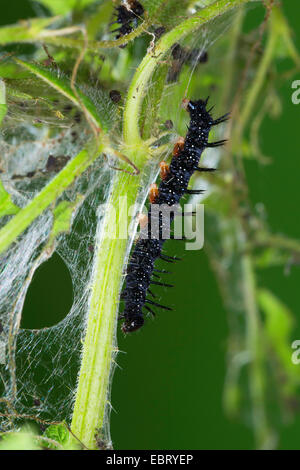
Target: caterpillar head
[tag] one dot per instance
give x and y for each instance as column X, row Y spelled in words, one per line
column 132, row 324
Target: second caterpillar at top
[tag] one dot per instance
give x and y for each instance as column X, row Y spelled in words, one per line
column 174, row 184
column 128, row 14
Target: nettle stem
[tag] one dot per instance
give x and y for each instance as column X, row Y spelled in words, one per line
column 100, row 344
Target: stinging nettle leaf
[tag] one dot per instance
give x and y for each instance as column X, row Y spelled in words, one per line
column 62, row 85
column 58, row 433
column 7, row 207
column 63, row 214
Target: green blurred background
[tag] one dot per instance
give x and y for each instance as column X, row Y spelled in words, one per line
column 167, row 393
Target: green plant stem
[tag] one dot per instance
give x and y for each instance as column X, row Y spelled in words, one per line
column 145, row 70
column 50, row 37
column 25, row 30
column 3, row 105
column 100, row 346
column 279, row 241
column 261, row 428
column 22, row 220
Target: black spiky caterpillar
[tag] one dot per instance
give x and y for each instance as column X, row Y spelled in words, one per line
column 127, row 15
column 173, row 186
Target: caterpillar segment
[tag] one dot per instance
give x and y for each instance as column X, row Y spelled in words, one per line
column 164, row 170
column 153, row 193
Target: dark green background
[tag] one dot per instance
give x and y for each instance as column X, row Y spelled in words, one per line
column 168, row 392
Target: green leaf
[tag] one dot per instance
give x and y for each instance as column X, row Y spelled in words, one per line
column 25, row 30
column 7, row 207
column 11, row 70
column 154, row 8
column 279, row 319
column 167, row 13
column 53, row 190
column 61, row 434
column 62, row 7
column 63, row 214
column 278, row 328
column 62, row 85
